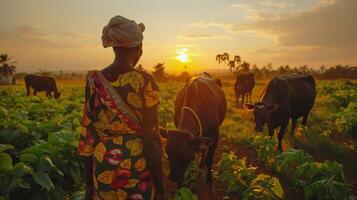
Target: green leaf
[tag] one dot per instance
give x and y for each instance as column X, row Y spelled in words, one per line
column 4, row 147
column 5, row 161
column 44, row 180
column 30, row 158
column 79, row 195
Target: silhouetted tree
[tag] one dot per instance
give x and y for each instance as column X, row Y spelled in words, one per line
column 44, row 72
column 140, row 67
column 222, row 57
column 7, row 65
column 159, row 72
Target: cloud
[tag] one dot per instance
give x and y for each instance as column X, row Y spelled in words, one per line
column 200, row 36
column 332, row 26
column 30, row 36
column 275, row 4
column 211, row 24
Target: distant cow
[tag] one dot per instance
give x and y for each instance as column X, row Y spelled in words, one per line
column 286, row 97
column 40, row 84
column 200, row 108
column 243, row 86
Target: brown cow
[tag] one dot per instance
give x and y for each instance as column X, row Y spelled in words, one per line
column 200, row 108
column 243, row 86
column 41, row 83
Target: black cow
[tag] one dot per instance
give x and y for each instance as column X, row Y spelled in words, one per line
column 286, row 97
column 41, row 83
column 200, row 108
column 243, row 86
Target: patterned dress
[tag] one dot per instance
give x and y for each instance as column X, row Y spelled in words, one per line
column 112, row 138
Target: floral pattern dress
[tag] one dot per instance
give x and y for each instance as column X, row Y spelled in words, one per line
column 119, row 168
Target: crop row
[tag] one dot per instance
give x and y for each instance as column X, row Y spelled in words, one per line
column 240, row 179
column 318, row 180
column 38, row 142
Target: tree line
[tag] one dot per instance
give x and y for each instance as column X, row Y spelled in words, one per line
column 323, row 72
column 235, row 65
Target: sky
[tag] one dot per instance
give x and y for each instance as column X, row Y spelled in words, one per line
column 66, row 35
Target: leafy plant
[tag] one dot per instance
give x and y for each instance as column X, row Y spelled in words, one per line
column 288, row 161
column 346, row 120
column 185, row 193
column 323, row 180
column 266, row 149
column 265, row 187
column 239, row 178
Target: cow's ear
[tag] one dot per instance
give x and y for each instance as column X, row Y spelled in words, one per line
column 248, row 106
column 164, row 132
column 202, row 142
column 273, row 107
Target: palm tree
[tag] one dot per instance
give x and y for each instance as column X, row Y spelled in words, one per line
column 8, row 67
column 231, row 65
column 222, row 57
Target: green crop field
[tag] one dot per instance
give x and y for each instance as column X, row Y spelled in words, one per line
column 39, row 137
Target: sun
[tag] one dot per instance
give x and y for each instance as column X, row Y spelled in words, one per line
column 182, row 55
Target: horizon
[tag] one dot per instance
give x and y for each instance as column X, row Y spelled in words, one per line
column 38, row 34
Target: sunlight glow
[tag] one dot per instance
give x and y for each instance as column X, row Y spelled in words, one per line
column 182, row 55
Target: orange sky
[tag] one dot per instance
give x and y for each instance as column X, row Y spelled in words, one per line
column 65, row 35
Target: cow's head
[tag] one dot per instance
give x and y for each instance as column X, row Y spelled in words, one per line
column 57, row 95
column 180, row 149
column 262, row 112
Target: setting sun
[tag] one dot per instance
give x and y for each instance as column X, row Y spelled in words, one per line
column 182, row 55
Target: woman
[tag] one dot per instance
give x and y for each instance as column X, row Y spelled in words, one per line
column 119, row 142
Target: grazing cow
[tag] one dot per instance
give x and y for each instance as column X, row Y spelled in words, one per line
column 200, row 108
column 243, row 86
column 286, row 97
column 41, row 83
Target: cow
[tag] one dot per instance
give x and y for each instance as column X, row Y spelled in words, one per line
column 41, row 83
column 200, row 108
column 243, row 86
column 286, row 97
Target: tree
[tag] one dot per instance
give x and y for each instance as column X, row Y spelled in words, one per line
column 140, row 67
column 159, row 72
column 7, row 65
column 245, row 66
column 44, row 72
column 222, row 57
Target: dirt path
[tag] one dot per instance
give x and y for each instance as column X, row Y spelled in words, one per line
column 241, row 151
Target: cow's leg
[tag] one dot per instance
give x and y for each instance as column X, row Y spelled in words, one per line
column 293, row 125
column 49, row 94
column 304, row 120
column 209, row 161
column 27, row 88
column 250, row 97
column 34, row 92
column 281, row 134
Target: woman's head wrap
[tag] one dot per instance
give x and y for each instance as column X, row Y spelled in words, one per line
column 122, row 32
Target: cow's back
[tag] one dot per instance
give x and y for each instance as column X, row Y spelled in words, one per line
column 295, row 93
column 244, row 82
column 41, row 83
column 203, row 95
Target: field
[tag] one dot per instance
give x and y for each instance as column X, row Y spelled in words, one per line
column 38, row 140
